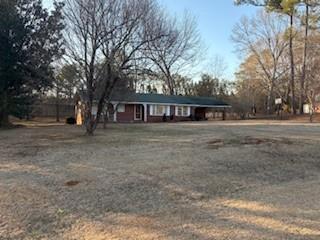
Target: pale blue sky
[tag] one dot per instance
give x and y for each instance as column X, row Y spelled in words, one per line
column 216, row 19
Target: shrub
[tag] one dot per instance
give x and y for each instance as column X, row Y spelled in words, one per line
column 71, row 121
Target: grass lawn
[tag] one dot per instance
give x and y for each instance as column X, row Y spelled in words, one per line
column 231, row 180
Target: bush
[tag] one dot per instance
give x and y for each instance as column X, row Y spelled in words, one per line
column 71, row 121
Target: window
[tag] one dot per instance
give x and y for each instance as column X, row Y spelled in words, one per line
column 121, row 108
column 159, row 110
column 182, row 111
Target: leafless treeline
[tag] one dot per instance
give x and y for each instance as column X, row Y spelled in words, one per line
column 265, row 73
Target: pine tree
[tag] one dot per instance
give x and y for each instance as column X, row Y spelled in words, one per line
column 30, row 40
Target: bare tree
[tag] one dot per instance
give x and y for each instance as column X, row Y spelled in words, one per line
column 262, row 37
column 178, row 50
column 105, row 38
column 288, row 8
column 249, row 85
column 309, row 19
column 312, row 71
column 218, row 67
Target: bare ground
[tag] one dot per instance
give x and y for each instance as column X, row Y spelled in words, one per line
column 233, row 180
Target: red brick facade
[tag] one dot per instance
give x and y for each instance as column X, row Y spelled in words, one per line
column 128, row 116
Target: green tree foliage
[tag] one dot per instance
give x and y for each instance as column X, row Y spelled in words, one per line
column 68, row 80
column 286, row 6
column 209, row 86
column 183, row 85
column 30, row 40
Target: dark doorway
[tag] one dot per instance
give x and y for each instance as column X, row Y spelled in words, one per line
column 200, row 114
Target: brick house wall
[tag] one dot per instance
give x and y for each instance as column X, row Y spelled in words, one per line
column 128, row 115
column 155, row 119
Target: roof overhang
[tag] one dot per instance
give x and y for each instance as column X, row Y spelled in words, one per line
column 172, row 104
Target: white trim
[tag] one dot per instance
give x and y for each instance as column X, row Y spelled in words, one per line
column 145, row 108
column 183, row 115
column 135, row 112
column 115, row 112
column 167, row 110
column 175, row 104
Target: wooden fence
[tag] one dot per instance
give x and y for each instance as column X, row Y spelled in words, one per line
column 50, row 110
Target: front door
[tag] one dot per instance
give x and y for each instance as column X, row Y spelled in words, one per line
column 138, row 112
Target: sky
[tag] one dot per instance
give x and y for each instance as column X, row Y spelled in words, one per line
column 216, row 19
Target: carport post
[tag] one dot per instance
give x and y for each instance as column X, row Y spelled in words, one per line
column 145, row 115
column 115, row 105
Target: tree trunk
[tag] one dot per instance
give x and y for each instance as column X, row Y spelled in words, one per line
column 92, row 121
column 57, row 107
column 170, row 84
column 4, row 115
column 311, row 117
column 90, row 126
column 106, row 117
column 305, row 49
column 269, row 101
column 224, row 115
column 89, row 121
column 105, row 121
column 293, row 109
column 4, row 118
column 311, row 111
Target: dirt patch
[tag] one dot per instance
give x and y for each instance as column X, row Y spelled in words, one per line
column 30, row 150
column 72, row 183
column 246, row 141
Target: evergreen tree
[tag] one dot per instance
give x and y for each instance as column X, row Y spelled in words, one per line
column 30, row 40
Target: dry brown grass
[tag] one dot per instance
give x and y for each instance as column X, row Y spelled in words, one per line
column 232, row 180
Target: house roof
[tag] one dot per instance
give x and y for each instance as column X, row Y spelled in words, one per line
column 169, row 99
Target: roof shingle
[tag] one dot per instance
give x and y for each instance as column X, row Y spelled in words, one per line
column 170, row 99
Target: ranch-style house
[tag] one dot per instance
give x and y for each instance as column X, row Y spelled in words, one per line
column 140, row 107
